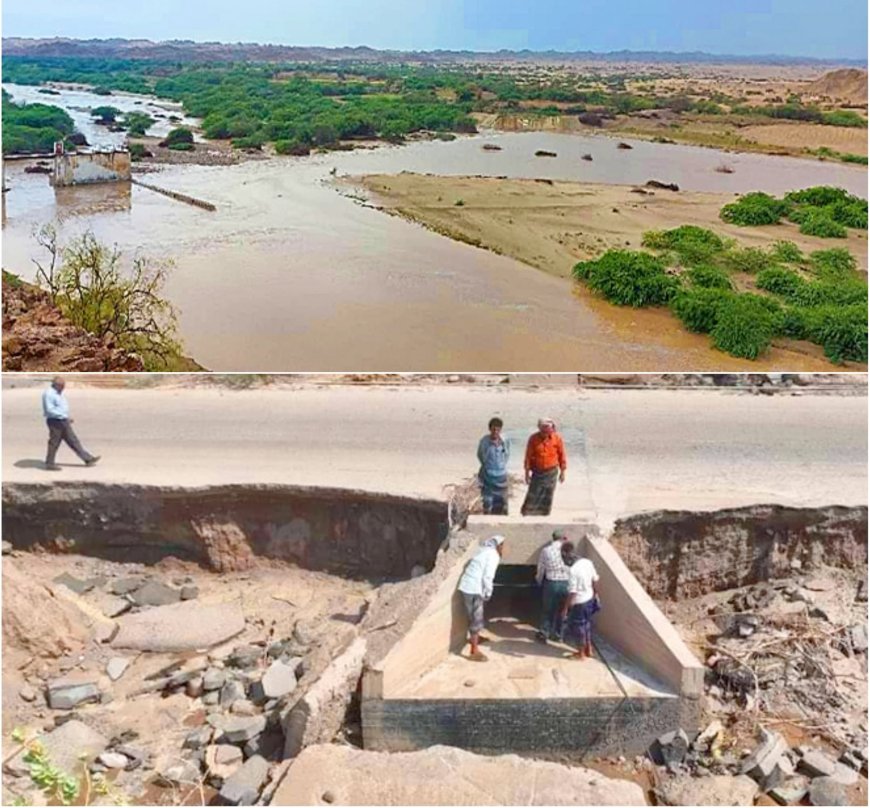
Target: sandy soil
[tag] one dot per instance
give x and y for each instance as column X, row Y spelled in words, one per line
column 552, row 225
column 629, row 450
column 849, row 140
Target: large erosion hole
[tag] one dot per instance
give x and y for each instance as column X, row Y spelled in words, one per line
column 223, row 528
column 683, row 554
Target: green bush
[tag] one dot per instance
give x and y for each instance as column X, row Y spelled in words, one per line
column 839, row 293
column 749, row 259
column 779, row 281
column 105, row 114
column 137, row 150
column 708, row 277
column 293, row 147
column 833, row 264
column 849, row 214
column 181, row 146
column 692, row 244
column 180, row 134
column 840, row 330
column 794, row 323
column 818, row 196
column 744, row 326
column 698, row 309
column 755, row 208
column 844, row 117
column 629, row 278
column 819, row 223
column 787, row 252
column 137, row 123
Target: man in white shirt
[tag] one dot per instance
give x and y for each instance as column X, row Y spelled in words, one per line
column 476, row 586
column 582, row 603
column 55, row 409
column 552, row 577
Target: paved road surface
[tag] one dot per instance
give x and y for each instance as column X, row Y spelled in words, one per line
column 629, row 450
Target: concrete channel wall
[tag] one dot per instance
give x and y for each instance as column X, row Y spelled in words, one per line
column 83, row 168
column 630, row 622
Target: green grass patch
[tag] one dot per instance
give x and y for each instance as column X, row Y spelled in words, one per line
column 745, row 326
column 629, row 278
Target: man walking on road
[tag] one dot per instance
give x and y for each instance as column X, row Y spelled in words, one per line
column 552, row 577
column 55, row 408
column 545, row 463
column 493, row 452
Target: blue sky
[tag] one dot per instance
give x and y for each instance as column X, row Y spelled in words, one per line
column 829, row 29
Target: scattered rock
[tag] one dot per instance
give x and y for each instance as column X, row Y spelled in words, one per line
column 69, row 692
column 189, row 592
column 711, row 790
column 328, row 797
column 68, row 746
column 198, row 738
column 269, row 744
column 278, row 680
column 545, row 153
column 665, row 186
column 113, row 760
column 222, row 760
column 672, row 748
column 211, row 698
column 155, row 593
column 123, row 586
column 858, row 638
column 27, row 693
column 245, row 656
column 243, row 787
column 623, row 145
column 180, row 627
column 231, row 692
column 706, row 740
column 180, row 772
column 242, row 728
column 790, row 791
column 213, row 679
column 816, row 763
column 135, row 757
column 7, row 547
column 193, row 689
column 826, row 791
column 75, row 584
column 769, row 765
column 587, row 157
column 861, row 594
column 116, row 666
column 105, row 632
column 243, row 707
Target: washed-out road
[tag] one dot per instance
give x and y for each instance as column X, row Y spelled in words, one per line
column 629, row 450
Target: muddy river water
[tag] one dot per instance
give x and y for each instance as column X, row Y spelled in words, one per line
column 289, row 274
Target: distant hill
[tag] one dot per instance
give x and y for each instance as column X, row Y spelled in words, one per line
column 186, row 50
column 848, row 85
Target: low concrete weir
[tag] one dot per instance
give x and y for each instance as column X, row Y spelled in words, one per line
column 345, row 532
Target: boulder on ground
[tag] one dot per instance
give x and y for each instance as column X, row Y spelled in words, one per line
column 722, row 789
column 243, row 786
column 69, row 747
column 70, row 691
column 827, row 791
column 443, row 775
column 185, row 626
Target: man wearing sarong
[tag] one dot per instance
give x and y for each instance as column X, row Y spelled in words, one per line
column 545, row 463
column 493, row 452
column 552, row 577
column 476, row 587
column 583, row 602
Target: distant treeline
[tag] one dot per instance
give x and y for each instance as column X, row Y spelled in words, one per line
column 33, row 128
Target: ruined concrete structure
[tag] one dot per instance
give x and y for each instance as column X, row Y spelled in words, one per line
column 83, row 168
column 528, row 697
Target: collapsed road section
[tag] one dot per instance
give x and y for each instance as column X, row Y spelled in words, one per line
column 243, row 644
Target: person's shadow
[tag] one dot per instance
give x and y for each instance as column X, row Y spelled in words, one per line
column 40, row 464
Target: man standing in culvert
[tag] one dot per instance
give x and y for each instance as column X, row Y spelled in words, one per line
column 476, row 585
column 545, row 463
column 55, row 408
column 552, row 577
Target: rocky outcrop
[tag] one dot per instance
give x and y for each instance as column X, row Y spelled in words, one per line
column 37, row 336
column 442, row 775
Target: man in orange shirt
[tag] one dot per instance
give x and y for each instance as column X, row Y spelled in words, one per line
column 545, row 463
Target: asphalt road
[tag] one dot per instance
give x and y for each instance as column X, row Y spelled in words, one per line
column 629, row 450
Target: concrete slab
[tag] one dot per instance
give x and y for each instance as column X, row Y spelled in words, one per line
column 184, row 626
column 520, row 668
column 526, row 535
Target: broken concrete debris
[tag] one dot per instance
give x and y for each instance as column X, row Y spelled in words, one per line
column 243, row 786
column 70, row 692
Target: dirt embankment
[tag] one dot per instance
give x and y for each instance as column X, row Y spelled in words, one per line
column 37, row 337
column 848, row 84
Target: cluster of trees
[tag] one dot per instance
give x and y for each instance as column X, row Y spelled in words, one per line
column 104, row 74
column 33, row 128
column 136, row 123
column 819, row 297
column 796, row 111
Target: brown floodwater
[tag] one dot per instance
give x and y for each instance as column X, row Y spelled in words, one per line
column 288, row 274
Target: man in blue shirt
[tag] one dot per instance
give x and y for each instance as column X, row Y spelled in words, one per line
column 56, row 411
column 493, row 452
